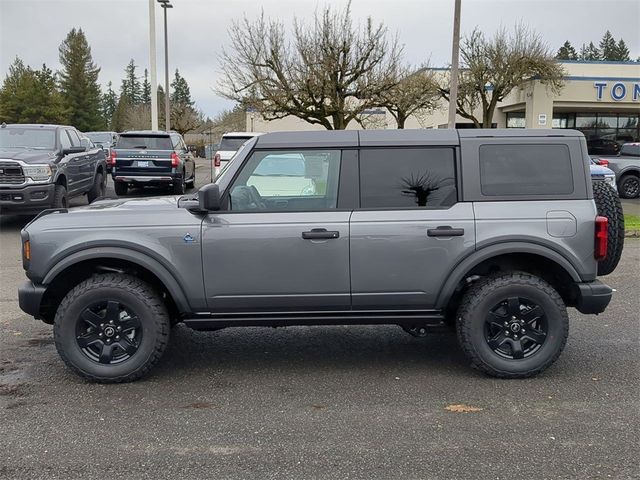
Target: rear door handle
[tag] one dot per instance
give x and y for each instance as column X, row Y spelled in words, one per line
column 319, row 234
column 445, row 231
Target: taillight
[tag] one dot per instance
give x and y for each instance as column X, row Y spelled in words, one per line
column 216, row 160
column 175, row 159
column 602, row 238
column 603, row 162
column 112, row 158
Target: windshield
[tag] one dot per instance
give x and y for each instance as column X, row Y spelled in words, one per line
column 232, row 143
column 100, row 137
column 151, row 142
column 225, row 169
column 31, row 138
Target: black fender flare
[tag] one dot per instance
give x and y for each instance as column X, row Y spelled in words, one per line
column 133, row 256
column 495, row 250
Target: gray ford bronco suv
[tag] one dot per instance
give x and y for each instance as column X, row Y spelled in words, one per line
column 492, row 232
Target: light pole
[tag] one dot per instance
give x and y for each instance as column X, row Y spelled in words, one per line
column 152, row 65
column 167, row 111
column 453, row 85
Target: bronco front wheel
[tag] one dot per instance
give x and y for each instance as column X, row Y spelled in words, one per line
column 111, row 328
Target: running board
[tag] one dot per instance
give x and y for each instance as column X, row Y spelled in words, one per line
column 210, row 321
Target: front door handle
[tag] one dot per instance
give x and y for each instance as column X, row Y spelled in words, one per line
column 319, row 234
column 445, row 231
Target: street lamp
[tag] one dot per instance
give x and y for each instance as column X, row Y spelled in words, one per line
column 165, row 4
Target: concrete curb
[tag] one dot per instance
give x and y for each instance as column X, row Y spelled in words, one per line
column 632, row 233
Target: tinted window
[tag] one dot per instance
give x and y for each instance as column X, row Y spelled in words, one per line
column 65, row 142
column 151, row 142
column 75, row 139
column 407, row 177
column 288, row 180
column 38, row 139
column 525, row 170
column 100, row 137
column 232, row 143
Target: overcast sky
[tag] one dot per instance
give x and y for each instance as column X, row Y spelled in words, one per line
column 117, row 30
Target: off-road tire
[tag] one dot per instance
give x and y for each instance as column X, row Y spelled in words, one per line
column 179, row 187
column 60, row 199
column 475, row 306
column 608, row 205
column 149, row 308
column 121, row 188
column 629, row 186
column 98, row 188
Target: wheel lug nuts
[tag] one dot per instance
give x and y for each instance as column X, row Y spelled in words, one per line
column 111, row 322
column 513, row 317
column 506, row 332
column 101, row 325
column 119, row 328
column 100, row 335
column 506, row 323
column 117, row 337
column 515, row 336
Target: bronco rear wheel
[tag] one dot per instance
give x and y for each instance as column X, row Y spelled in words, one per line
column 111, row 328
column 512, row 325
column 608, row 205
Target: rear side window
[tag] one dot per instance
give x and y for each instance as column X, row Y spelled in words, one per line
column 525, row 170
column 407, row 178
column 151, row 142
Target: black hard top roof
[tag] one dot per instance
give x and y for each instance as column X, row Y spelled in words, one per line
column 43, row 126
column 364, row 138
column 155, row 133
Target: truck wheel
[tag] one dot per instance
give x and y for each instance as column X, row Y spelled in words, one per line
column 629, row 186
column 608, row 205
column 120, row 188
column 98, row 188
column 60, row 197
column 111, row 328
column 180, row 186
column 512, row 325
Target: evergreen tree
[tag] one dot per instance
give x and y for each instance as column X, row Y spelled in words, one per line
column 131, row 88
column 146, row 88
column 119, row 117
column 31, row 96
column 567, row 52
column 608, row 47
column 622, row 52
column 181, row 94
column 109, row 104
column 79, row 82
column 589, row 52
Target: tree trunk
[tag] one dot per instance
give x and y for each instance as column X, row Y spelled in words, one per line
column 400, row 120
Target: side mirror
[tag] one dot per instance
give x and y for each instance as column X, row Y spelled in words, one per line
column 209, row 197
column 71, row 150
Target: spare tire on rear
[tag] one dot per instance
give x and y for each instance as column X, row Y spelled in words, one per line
column 608, row 205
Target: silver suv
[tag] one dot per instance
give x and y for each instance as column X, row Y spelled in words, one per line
column 491, row 232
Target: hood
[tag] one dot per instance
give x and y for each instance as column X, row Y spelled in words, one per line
column 150, row 204
column 600, row 170
column 226, row 154
column 26, row 155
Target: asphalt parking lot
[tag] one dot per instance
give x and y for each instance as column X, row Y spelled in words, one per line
column 322, row 402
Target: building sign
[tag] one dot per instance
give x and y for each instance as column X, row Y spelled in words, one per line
column 618, row 91
column 542, row 119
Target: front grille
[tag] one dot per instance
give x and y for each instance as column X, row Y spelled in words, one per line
column 11, row 173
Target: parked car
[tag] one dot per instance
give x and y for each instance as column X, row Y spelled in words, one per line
column 43, row 166
column 603, row 146
column 626, row 166
column 229, row 145
column 421, row 228
column 106, row 141
column 600, row 173
column 142, row 158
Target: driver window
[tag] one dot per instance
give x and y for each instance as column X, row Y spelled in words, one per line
column 287, row 180
column 64, row 140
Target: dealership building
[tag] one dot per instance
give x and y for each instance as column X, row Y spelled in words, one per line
column 601, row 99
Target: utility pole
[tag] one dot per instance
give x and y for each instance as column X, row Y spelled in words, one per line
column 152, row 65
column 455, row 54
column 167, row 110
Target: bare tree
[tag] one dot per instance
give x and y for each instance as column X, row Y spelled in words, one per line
column 493, row 67
column 328, row 75
column 413, row 90
column 185, row 118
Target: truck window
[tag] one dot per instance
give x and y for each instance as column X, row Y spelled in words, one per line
column 525, row 170
column 407, row 178
column 151, row 142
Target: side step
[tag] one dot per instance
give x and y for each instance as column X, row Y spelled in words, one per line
column 210, row 321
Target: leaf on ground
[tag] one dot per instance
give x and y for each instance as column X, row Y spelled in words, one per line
column 462, row 408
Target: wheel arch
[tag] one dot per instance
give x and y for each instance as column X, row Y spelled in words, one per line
column 535, row 259
column 81, row 265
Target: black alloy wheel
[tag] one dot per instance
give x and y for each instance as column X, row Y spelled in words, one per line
column 516, row 328
column 108, row 332
column 630, row 186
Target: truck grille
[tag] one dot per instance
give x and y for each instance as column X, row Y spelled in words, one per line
column 11, row 173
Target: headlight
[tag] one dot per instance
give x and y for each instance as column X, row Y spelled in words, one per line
column 38, row 173
column 611, row 180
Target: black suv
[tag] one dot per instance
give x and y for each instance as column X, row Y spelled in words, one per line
column 42, row 166
column 151, row 158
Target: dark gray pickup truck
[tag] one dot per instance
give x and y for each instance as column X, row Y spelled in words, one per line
column 42, row 166
column 493, row 233
column 626, row 166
